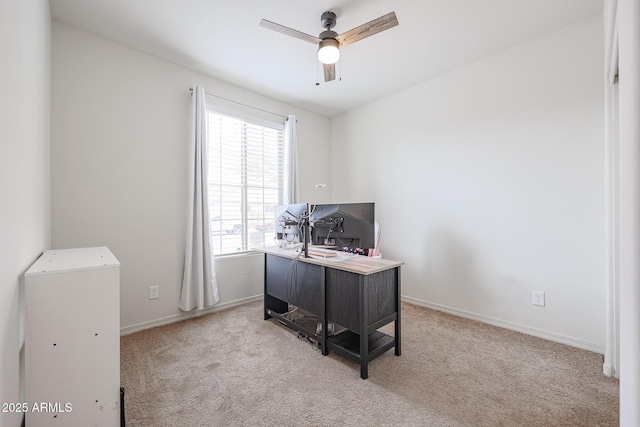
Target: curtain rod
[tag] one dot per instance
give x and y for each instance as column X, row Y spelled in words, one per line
column 243, row 105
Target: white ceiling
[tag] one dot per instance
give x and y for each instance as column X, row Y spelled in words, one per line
column 222, row 38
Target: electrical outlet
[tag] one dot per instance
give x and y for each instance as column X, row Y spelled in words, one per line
column 538, row 298
column 154, row 292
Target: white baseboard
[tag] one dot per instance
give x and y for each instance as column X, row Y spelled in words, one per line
column 186, row 315
column 609, row 370
column 563, row 339
column 551, row 336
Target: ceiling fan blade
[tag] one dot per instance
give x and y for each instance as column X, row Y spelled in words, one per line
column 370, row 28
column 329, row 72
column 289, row 31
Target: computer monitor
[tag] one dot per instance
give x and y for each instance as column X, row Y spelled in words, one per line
column 289, row 222
column 345, row 225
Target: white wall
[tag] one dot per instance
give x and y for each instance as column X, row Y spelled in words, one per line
column 488, row 182
column 119, row 140
column 25, row 49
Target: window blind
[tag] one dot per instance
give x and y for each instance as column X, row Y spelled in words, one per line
column 245, row 181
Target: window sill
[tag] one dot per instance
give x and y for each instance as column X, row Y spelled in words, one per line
column 241, row 254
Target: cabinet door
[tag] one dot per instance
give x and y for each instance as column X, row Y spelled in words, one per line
column 343, row 297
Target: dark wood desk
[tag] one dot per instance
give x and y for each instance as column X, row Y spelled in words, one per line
column 358, row 293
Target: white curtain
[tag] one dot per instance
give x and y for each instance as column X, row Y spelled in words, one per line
column 199, row 286
column 290, row 161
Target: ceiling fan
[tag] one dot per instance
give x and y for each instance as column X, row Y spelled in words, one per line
column 329, row 42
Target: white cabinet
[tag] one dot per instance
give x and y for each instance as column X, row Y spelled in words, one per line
column 72, row 339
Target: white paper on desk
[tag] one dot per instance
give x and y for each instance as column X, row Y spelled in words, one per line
column 339, row 258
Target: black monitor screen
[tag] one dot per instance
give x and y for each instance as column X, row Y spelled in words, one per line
column 288, row 221
column 345, row 225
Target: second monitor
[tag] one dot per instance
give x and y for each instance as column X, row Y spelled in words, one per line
column 344, row 224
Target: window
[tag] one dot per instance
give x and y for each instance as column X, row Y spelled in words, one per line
column 245, row 181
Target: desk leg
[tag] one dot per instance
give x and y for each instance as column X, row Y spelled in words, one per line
column 264, row 287
column 364, row 371
column 398, row 308
column 364, row 327
column 323, row 311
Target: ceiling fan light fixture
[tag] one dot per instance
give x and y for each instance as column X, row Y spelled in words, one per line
column 328, row 51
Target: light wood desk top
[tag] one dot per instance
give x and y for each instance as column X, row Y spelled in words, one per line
column 358, row 264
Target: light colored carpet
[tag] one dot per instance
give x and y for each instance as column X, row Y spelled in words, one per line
column 232, row 368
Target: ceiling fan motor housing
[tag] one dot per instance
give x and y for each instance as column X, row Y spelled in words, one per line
column 328, row 35
column 328, row 20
